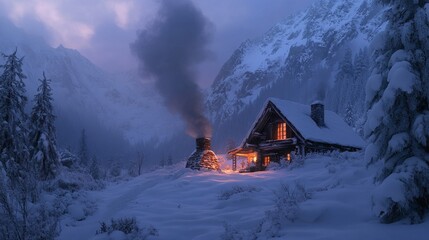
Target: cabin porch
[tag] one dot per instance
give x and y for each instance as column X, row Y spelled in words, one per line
column 257, row 158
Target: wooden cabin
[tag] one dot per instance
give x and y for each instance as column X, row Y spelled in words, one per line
column 286, row 129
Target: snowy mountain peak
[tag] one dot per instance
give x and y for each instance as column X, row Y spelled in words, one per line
column 290, row 51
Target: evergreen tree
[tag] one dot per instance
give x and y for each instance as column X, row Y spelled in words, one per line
column 42, row 133
column 169, row 160
column 21, row 218
column 136, row 166
column 83, row 149
column 162, row 162
column 140, row 160
column 94, row 168
column 350, row 116
column 397, row 125
column 14, row 154
column 14, row 151
column 115, row 168
column 361, row 74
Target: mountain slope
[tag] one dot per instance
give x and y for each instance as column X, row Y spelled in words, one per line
column 296, row 59
column 85, row 95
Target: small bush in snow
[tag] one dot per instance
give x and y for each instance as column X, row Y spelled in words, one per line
column 22, row 219
column 286, row 201
column 45, row 222
column 297, row 162
column 129, row 227
column 286, row 206
column 274, row 166
column 74, row 180
column 227, row 194
column 231, row 233
column 67, row 158
column 115, row 172
column 125, row 225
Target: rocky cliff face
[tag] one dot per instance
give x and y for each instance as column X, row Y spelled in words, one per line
column 297, row 59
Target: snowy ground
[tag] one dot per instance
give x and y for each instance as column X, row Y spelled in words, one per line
column 185, row 204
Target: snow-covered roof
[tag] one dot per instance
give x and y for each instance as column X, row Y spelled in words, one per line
column 336, row 130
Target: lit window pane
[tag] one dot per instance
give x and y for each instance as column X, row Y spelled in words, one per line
column 281, row 131
column 266, row 160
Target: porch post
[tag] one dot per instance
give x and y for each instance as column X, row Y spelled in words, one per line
column 259, row 162
column 234, row 163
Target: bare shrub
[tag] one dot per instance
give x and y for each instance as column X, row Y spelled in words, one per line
column 227, row 194
column 129, row 227
column 231, row 233
column 286, row 206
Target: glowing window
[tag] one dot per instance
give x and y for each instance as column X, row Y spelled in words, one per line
column 288, row 157
column 281, row 131
column 266, row 160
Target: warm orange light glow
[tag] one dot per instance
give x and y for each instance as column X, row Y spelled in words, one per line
column 251, row 157
column 266, row 160
column 281, row 131
column 288, row 157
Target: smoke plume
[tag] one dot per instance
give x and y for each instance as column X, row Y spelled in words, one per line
column 320, row 82
column 169, row 50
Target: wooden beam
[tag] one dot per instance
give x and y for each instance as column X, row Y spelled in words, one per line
column 234, row 163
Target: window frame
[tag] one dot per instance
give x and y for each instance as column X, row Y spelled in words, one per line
column 281, row 131
column 266, row 160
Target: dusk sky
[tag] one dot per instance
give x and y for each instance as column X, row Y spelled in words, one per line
column 103, row 30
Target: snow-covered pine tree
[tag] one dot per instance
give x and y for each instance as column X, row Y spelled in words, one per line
column 83, row 149
column 14, row 154
column 361, row 74
column 94, row 168
column 169, row 160
column 19, row 188
column 162, row 162
column 350, row 115
column 115, row 168
column 136, row 166
column 397, row 125
column 42, row 132
column 140, row 160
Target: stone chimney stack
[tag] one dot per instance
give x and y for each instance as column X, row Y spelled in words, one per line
column 318, row 113
column 203, row 157
column 203, row 144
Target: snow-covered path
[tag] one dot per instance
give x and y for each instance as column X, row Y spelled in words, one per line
column 184, row 204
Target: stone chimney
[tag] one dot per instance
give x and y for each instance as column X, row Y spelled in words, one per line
column 203, row 157
column 318, row 113
column 203, row 144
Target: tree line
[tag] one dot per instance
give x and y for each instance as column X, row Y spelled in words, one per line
column 28, row 154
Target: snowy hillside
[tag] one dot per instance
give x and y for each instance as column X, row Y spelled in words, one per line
column 122, row 102
column 326, row 197
column 296, row 59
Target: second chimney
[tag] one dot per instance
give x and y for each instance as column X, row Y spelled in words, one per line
column 203, row 144
column 318, row 113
